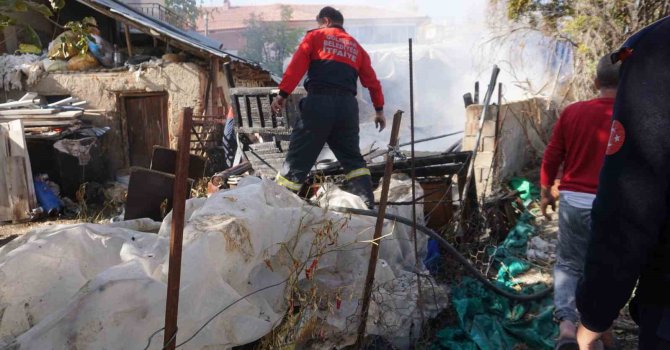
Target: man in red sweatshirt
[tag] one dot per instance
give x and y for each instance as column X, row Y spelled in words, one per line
column 333, row 61
column 578, row 142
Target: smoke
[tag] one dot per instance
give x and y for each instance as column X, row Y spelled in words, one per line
column 449, row 56
column 439, row 83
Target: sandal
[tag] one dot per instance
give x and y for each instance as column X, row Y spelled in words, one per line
column 566, row 344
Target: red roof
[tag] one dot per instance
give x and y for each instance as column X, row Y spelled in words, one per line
column 234, row 17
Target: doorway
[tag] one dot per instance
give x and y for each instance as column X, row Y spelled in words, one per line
column 146, row 125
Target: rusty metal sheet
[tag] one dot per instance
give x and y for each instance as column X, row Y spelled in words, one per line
column 150, row 194
column 164, row 159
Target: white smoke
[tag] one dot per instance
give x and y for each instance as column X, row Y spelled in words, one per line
column 449, row 56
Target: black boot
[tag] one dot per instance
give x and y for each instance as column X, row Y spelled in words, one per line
column 362, row 187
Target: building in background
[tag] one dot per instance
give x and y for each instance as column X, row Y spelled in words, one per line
column 369, row 25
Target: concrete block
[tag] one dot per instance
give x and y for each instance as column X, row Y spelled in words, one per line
column 484, row 160
column 489, row 128
column 470, row 128
column 468, row 143
column 488, row 144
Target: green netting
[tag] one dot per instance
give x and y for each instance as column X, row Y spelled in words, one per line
column 487, row 321
column 527, row 191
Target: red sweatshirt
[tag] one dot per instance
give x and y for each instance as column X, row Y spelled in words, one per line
column 579, row 142
column 334, row 59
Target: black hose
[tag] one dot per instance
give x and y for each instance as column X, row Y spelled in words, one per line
column 451, row 250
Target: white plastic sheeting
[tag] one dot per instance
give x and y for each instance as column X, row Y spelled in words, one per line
column 11, row 67
column 93, row 286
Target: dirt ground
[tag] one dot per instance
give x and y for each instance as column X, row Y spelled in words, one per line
column 9, row 231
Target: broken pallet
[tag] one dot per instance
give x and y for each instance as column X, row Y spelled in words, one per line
column 17, row 190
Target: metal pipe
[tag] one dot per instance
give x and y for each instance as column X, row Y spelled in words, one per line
column 177, row 229
column 413, row 170
column 374, row 253
column 453, row 252
column 494, row 162
column 377, row 153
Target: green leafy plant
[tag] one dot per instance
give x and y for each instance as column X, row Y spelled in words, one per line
column 270, row 43
column 10, row 10
column 592, row 27
column 78, row 37
column 187, row 10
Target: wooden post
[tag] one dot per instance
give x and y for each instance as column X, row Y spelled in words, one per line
column 128, row 43
column 176, row 234
column 214, row 91
column 372, row 265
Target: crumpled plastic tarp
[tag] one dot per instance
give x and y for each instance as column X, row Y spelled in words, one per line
column 91, row 286
column 79, row 148
column 488, row 321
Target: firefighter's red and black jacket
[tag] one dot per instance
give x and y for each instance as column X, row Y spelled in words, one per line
column 332, row 59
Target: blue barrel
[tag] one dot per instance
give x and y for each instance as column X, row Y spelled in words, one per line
column 46, row 198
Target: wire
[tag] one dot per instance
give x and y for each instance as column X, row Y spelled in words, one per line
column 152, row 337
column 172, row 338
column 451, row 250
column 214, row 316
column 432, row 234
column 410, row 202
column 381, row 153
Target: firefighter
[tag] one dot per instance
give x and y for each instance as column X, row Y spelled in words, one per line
column 630, row 237
column 333, row 61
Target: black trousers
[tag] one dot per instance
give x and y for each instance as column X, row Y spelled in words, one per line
column 654, row 323
column 331, row 119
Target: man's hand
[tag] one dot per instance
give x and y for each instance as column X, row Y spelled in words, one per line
column 278, row 104
column 588, row 340
column 547, row 200
column 380, row 120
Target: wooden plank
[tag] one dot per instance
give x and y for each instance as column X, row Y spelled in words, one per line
column 29, row 96
column 129, row 44
column 5, row 204
column 22, row 103
column 17, row 186
column 18, row 147
column 63, row 101
column 56, row 116
column 53, row 123
column 69, row 114
column 34, row 118
column 215, row 68
column 4, row 140
column 26, row 111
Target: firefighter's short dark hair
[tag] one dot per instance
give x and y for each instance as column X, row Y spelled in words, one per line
column 607, row 72
column 330, row 12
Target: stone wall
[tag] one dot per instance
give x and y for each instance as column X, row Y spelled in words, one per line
column 184, row 84
column 524, row 130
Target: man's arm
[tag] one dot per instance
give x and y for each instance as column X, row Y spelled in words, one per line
column 551, row 162
column 297, row 67
column 369, row 80
column 630, row 210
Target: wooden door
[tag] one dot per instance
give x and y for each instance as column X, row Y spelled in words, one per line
column 146, row 126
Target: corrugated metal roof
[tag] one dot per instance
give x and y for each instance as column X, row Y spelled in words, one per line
column 155, row 27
